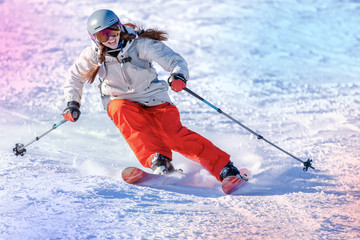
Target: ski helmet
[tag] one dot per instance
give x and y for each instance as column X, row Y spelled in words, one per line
column 100, row 20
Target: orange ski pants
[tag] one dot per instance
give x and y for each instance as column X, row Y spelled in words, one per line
column 157, row 129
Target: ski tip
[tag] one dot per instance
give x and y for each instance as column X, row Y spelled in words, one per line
column 231, row 184
column 132, row 175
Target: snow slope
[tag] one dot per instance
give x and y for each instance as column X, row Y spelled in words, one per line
column 289, row 69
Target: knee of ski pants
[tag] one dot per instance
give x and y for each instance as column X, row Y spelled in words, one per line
column 191, row 144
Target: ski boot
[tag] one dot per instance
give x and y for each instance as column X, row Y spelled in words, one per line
column 161, row 165
column 229, row 170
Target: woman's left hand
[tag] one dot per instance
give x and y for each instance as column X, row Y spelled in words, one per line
column 177, row 82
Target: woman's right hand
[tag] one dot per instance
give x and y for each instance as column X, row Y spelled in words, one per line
column 72, row 111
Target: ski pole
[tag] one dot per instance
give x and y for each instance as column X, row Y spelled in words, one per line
column 19, row 148
column 307, row 164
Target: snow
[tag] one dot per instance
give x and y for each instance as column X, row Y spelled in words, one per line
column 287, row 69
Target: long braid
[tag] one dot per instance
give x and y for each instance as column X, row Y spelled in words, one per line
column 91, row 74
column 102, row 54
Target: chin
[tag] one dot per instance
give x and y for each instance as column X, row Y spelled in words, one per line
column 112, row 46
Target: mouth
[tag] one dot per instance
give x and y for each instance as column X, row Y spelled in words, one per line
column 111, row 42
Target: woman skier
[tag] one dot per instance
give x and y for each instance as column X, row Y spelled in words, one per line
column 135, row 99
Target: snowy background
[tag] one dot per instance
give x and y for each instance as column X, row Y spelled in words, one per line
column 289, row 69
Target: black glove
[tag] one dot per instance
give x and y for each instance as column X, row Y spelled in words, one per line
column 72, row 111
column 177, row 82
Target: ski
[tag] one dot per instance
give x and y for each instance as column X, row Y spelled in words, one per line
column 232, row 183
column 136, row 176
column 133, row 175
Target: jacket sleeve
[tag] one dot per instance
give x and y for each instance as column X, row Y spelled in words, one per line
column 74, row 84
column 170, row 61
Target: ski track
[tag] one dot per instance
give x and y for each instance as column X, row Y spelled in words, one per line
column 286, row 69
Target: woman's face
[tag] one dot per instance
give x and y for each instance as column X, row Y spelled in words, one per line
column 113, row 41
column 110, row 36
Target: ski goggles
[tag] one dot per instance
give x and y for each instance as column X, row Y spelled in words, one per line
column 105, row 34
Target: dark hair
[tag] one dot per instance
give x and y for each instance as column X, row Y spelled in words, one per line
column 154, row 34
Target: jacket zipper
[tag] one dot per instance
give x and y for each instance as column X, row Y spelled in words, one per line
column 124, row 74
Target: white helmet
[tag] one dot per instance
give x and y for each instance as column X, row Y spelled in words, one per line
column 100, row 20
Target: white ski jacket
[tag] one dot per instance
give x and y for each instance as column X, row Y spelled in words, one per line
column 121, row 78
